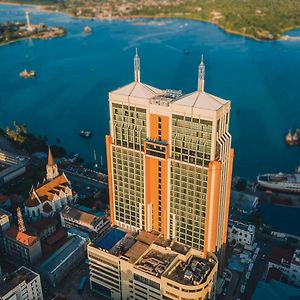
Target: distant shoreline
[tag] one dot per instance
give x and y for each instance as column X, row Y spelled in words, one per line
column 47, row 8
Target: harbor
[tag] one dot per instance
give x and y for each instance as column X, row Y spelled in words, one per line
column 75, row 67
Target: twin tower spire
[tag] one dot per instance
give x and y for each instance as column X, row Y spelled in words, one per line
column 201, row 71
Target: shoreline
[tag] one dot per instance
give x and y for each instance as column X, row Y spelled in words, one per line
column 47, row 9
column 29, row 38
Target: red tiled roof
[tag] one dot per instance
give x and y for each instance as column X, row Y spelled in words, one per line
column 56, row 236
column 43, row 224
column 32, row 201
column 280, row 255
column 47, row 191
column 22, row 237
column 47, row 207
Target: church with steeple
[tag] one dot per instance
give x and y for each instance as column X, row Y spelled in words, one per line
column 52, row 195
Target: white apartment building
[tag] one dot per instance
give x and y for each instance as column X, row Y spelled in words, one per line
column 143, row 265
column 73, row 217
column 241, row 233
column 23, row 284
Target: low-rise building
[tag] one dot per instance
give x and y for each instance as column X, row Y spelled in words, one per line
column 22, row 247
column 143, row 265
column 241, row 233
column 43, row 228
column 11, row 166
column 60, row 263
column 73, row 217
column 23, row 284
column 287, row 261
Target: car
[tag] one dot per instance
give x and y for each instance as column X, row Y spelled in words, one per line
column 227, row 275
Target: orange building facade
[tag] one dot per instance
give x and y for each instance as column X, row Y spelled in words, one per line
column 170, row 162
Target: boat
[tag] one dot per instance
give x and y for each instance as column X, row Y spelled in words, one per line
column 87, row 29
column 28, row 73
column 293, row 139
column 85, row 133
column 280, row 182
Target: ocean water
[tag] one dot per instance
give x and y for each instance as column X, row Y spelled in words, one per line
column 76, row 72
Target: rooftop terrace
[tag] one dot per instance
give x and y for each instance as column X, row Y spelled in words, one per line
column 155, row 262
column 167, row 97
column 151, row 253
column 192, row 272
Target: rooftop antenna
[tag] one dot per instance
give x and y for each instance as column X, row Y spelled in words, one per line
column 28, row 25
column 21, row 224
column 137, row 67
column 201, row 75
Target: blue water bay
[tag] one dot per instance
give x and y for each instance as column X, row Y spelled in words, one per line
column 76, row 72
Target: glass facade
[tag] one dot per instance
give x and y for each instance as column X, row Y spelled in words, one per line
column 128, row 174
column 129, row 126
column 191, row 140
column 191, row 145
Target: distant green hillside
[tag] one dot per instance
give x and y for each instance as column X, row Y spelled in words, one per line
column 259, row 19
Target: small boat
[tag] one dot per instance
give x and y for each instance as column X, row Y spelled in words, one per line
column 85, row 133
column 293, row 139
column 87, row 29
column 28, row 74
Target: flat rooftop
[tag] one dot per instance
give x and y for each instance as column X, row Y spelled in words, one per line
column 83, row 217
column 155, row 262
column 192, row 272
column 243, row 226
column 12, row 280
column 151, row 253
column 128, row 244
column 63, row 253
column 110, row 239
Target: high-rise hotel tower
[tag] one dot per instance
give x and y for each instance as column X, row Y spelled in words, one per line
column 170, row 162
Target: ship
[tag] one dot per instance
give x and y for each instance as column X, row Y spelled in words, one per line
column 85, row 133
column 28, row 74
column 87, row 29
column 293, row 139
column 280, row 182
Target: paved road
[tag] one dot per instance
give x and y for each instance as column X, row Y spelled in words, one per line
column 266, row 243
column 69, row 284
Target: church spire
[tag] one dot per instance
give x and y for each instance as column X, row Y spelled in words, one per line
column 52, row 169
column 137, row 67
column 201, row 75
column 51, row 161
column 21, row 224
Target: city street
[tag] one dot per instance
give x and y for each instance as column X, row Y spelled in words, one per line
column 68, row 286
